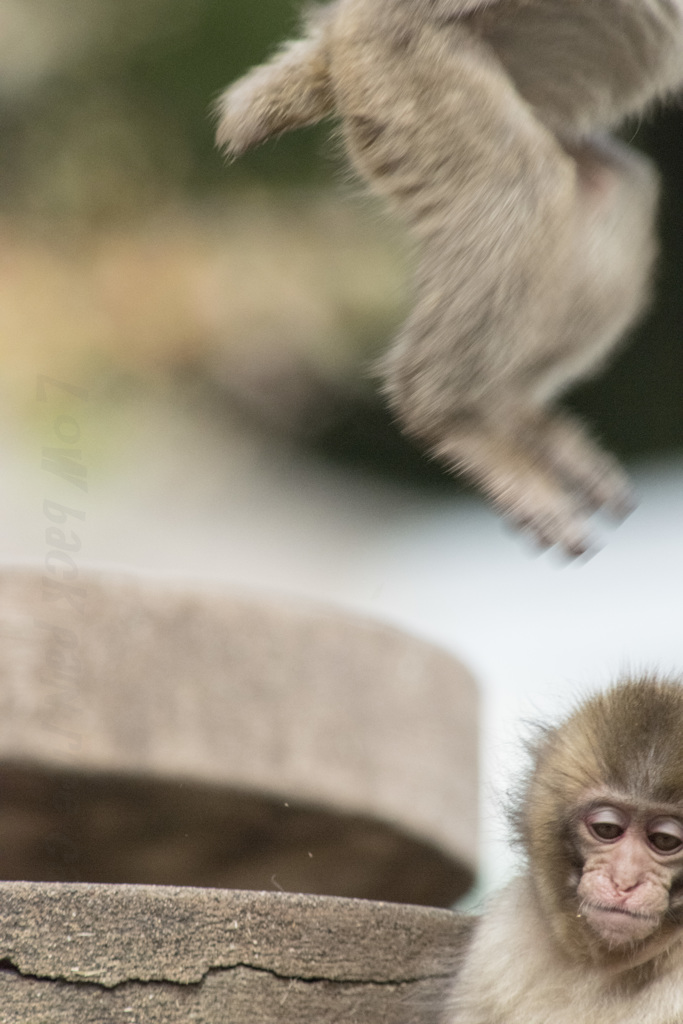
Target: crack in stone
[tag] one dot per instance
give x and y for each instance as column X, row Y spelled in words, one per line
column 7, row 964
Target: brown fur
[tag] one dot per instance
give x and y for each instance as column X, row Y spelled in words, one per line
column 533, row 958
column 628, row 739
column 482, row 123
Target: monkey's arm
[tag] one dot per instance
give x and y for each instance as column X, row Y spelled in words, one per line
column 291, row 91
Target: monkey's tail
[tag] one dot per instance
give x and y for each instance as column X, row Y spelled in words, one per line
column 291, row 91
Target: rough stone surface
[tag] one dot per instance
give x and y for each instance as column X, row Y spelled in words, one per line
column 153, row 734
column 100, row 954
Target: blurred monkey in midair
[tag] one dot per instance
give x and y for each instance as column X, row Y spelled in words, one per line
column 483, row 123
column 593, row 929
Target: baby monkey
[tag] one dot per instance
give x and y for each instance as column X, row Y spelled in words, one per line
column 593, row 930
column 483, row 124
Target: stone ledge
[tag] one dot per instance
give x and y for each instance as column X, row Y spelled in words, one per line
column 100, row 954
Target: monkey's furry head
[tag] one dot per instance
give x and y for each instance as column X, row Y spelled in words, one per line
column 628, row 740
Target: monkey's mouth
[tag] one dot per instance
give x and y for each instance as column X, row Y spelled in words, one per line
column 618, row 926
column 589, row 908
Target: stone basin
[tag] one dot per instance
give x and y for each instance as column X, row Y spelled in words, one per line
column 162, row 733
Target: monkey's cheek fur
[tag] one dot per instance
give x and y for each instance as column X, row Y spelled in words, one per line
column 618, row 927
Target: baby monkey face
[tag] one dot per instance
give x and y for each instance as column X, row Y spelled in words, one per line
column 632, row 857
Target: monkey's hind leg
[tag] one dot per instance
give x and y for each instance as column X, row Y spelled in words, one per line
column 483, row 358
column 434, row 123
column 537, row 465
column 615, row 252
column 291, row 91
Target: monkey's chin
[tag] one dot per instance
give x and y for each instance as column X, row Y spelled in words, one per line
column 618, row 927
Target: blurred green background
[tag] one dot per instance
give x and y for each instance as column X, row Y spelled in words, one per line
column 132, row 258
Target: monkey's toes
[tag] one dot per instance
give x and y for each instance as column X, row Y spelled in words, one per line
column 570, row 539
column 584, row 469
column 604, row 487
column 555, row 522
column 622, row 501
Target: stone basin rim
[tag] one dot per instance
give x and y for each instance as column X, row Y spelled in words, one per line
column 105, row 935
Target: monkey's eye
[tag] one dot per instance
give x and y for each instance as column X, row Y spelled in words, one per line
column 606, row 830
column 666, row 836
column 606, row 824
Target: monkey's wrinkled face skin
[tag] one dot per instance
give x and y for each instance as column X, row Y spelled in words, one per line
column 632, row 856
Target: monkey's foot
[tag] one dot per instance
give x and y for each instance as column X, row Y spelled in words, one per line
column 551, row 516
column 593, row 475
column 528, row 490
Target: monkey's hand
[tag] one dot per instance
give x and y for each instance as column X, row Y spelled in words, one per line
column 290, row 92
